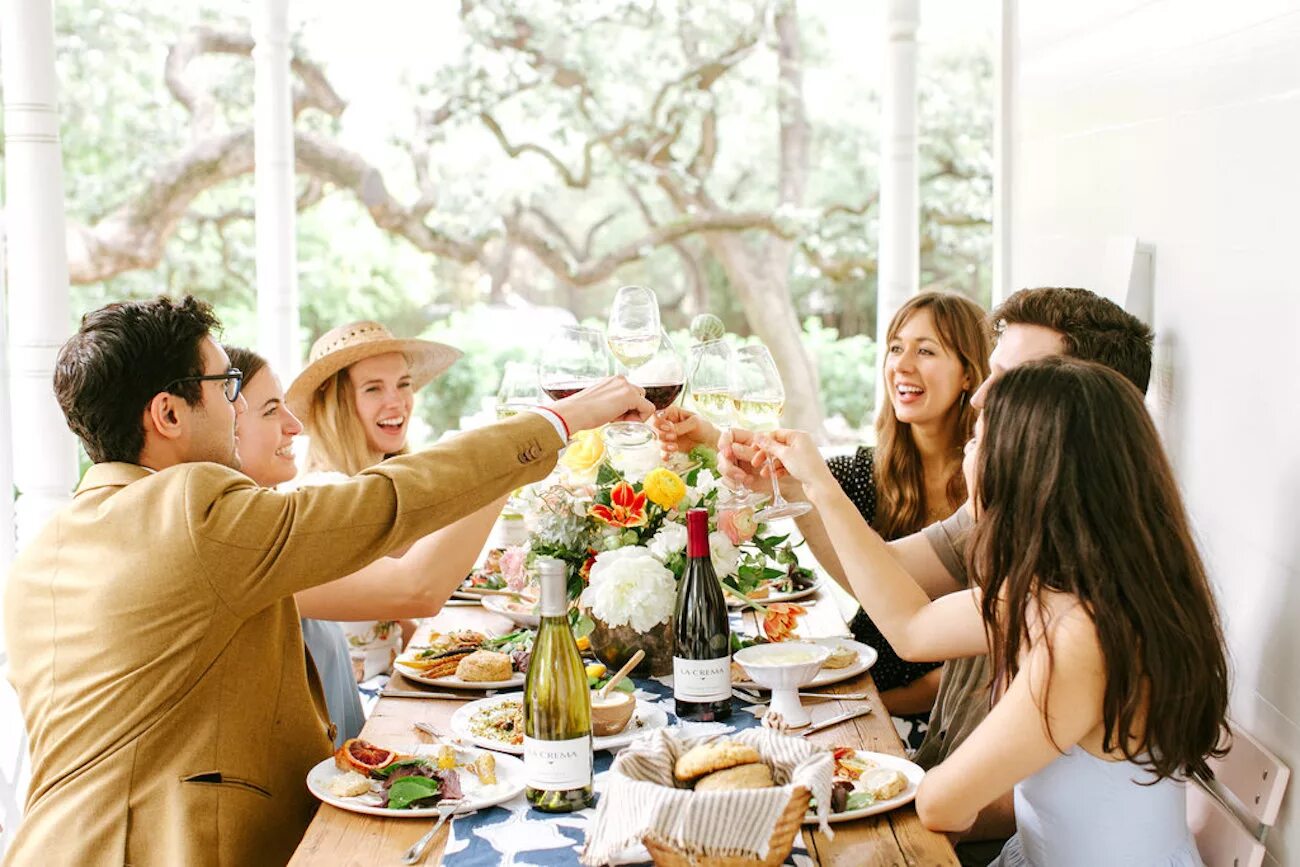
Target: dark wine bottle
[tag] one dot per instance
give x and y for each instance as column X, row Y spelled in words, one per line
column 557, row 706
column 701, row 633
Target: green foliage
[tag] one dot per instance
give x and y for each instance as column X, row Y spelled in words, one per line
column 847, row 367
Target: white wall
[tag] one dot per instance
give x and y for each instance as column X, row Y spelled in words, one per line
column 1178, row 121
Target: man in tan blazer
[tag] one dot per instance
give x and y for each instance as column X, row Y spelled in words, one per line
column 151, row 628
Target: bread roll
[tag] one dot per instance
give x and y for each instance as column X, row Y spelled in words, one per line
column 752, row 776
column 715, row 756
column 484, row 665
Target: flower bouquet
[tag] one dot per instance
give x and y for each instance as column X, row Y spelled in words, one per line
column 618, row 521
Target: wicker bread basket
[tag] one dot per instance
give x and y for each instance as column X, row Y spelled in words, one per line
column 779, row 845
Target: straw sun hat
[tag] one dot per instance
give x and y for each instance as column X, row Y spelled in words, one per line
column 346, row 345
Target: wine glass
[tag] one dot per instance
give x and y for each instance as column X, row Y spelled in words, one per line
column 759, row 398
column 635, row 336
column 663, row 375
column 709, row 383
column 575, row 358
column 518, row 389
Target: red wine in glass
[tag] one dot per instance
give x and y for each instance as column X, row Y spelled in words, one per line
column 561, row 390
column 662, row 395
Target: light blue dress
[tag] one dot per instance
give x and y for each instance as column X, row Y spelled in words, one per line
column 1082, row 811
column 329, row 650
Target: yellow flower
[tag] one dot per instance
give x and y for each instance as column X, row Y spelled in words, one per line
column 664, row 487
column 583, row 456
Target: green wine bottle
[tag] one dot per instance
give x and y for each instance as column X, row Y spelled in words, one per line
column 557, row 706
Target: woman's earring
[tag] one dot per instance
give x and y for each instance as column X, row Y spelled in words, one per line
column 961, row 403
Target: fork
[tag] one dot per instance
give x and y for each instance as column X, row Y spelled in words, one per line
column 415, row 854
column 750, row 695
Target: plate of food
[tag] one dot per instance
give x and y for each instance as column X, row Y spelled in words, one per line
column 867, row 783
column 498, row 724
column 466, row 659
column 364, row 778
column 522, row 610
column 489, row 576
column 848, row 659
column 772, row 586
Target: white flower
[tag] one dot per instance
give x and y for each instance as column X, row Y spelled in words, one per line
column 726, row 556
column 705, row 481
column 670, row 540
column 628, row 586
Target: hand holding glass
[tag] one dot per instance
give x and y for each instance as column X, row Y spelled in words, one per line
column 759, row 398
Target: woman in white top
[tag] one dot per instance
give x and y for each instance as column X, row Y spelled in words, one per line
column 414, row 583
column 1095, row 608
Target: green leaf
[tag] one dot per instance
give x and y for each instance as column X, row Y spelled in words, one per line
column 384, row 772
column 607, row 475
column 580, row 623
column 409, row 789
column 859, row 801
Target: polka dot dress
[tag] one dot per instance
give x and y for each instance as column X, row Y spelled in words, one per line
column 856, row 475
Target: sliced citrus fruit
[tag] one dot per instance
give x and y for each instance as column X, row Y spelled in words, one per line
column 362, row 757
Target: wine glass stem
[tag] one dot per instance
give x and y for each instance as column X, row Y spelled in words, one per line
column 777, row 500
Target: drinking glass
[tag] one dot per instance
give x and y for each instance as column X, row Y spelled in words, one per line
column 759, row 398
column 575, row 358
column 635, row 336
column 708, row 380
column 518, row 389
column 663, row 375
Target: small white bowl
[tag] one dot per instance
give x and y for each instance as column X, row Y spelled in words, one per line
column 781, row 667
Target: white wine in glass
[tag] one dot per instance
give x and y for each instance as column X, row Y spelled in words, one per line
column 759, row 398
column 708, row 381
column 634, row 335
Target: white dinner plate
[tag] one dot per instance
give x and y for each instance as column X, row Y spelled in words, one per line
column 791, row 596
column 913, row 772
column 826, row 676
column 645, row 718
column 510, row 782
column 520, row 613
column 451, row 681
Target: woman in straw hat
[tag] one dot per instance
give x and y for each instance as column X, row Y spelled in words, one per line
column 355, row 396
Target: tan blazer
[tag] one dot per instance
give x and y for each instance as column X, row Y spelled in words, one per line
column 155, row 647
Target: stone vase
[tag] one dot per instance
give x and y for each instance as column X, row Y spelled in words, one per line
column 614, row 645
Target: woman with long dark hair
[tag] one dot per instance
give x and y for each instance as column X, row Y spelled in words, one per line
column 936, row 354
column 1111, row 678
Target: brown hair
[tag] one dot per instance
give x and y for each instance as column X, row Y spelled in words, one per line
column 1076, row 495
column 122, row 356
column 337, row 441
column 899, row 476
column 249, row 362
column 1094, row 328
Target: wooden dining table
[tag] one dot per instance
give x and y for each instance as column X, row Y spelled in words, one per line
column 339, row 837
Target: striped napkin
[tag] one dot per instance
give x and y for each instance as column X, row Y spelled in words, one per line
column 641, row 799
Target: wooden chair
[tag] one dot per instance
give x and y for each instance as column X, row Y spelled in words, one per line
column 1230, row 817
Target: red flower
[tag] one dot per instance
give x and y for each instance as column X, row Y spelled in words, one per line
column 585, row 571
column 780, row 620
column 626, row 507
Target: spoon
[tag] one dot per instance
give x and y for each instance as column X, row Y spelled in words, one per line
column 622, row 673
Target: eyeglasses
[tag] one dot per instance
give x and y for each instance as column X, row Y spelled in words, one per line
column 233, row 378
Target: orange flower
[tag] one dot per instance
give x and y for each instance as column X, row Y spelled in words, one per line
column 626, row 507
column 780, row 619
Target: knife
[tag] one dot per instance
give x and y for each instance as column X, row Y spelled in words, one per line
column 836, row 720
column 419, row 693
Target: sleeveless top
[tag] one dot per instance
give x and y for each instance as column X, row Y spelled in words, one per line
column 329, row 651
column 1082, row 811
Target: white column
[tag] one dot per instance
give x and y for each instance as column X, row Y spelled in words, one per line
column 277, row 246
column 1004, row 137
column 44, row 450
column 900, row 256
column 7, row 540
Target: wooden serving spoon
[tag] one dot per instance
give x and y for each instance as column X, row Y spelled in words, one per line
column 622, row 673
